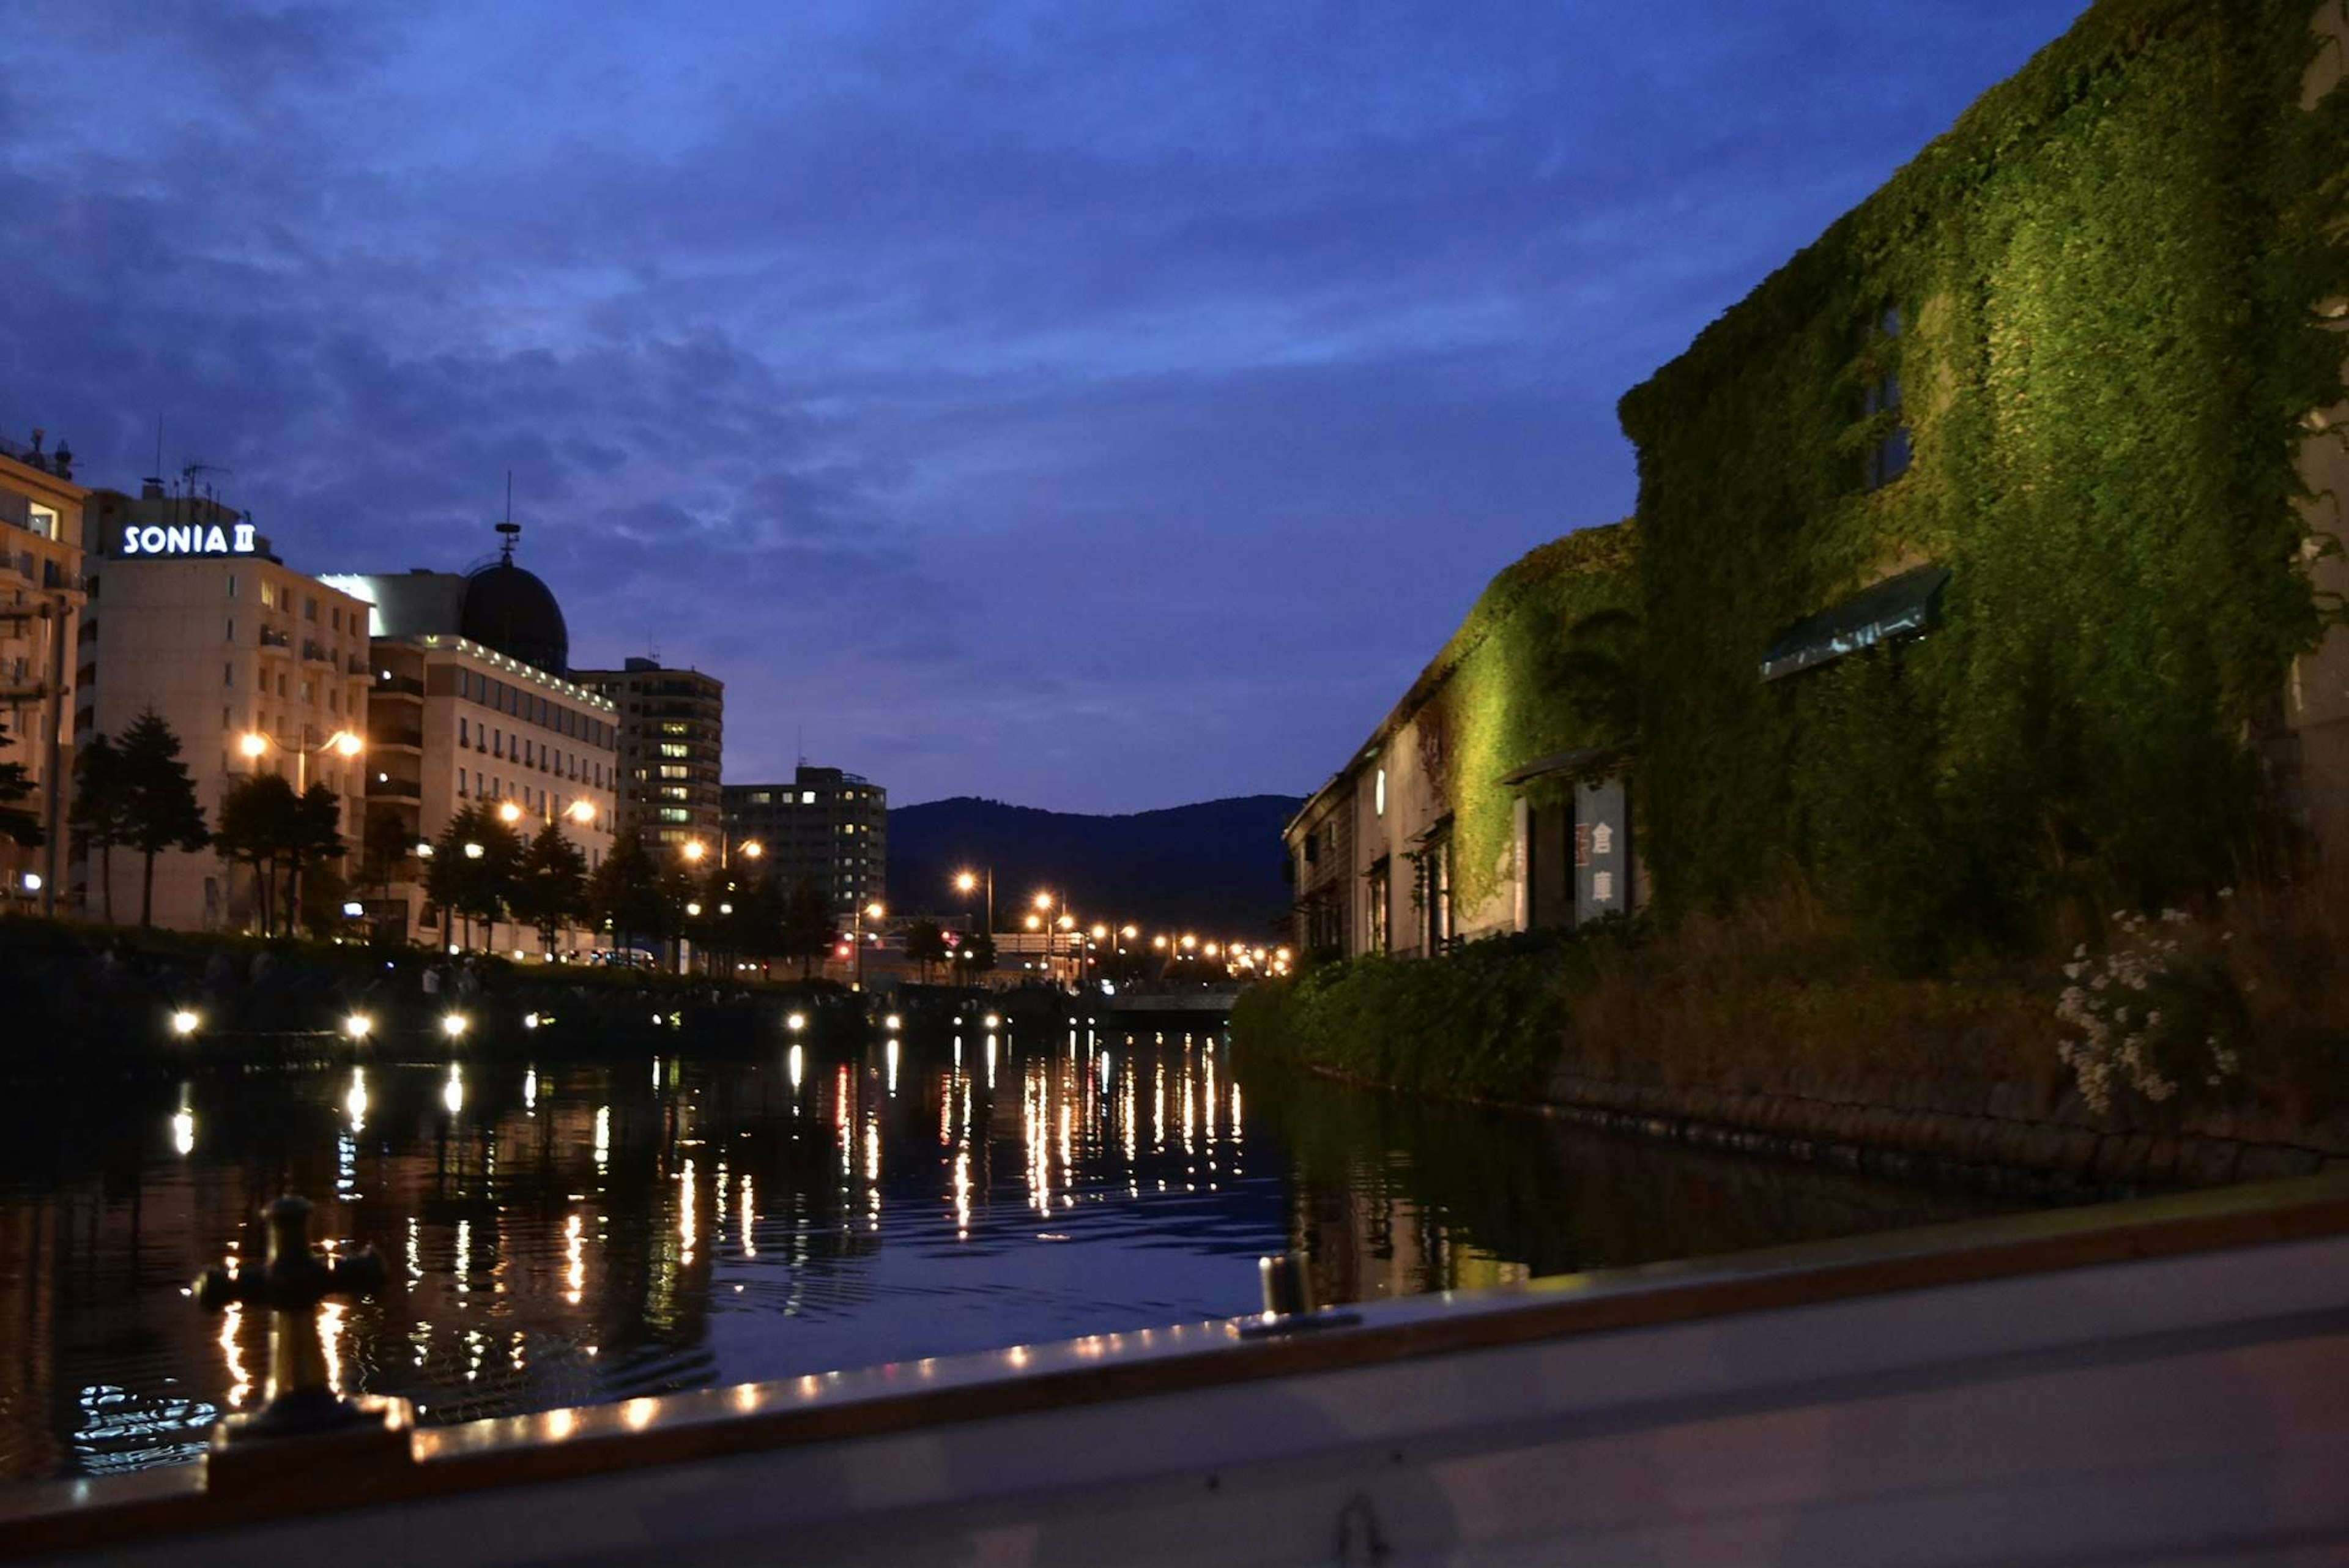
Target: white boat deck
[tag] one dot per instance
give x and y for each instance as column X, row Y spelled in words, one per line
column 2164, row 1382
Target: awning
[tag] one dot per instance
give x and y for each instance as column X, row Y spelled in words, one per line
column 1583, row 761
column 1897, row 606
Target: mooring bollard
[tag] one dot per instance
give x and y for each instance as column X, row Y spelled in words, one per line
column 1288, row 1285
column 300, row 1406
column 1289, row 1304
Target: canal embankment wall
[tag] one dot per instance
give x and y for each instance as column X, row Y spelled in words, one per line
column 1924, row 1081
column 75, row 1001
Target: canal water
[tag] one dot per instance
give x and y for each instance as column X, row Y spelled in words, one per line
column 567, row 1233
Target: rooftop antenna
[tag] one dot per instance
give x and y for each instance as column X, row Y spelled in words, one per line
column 510, row 529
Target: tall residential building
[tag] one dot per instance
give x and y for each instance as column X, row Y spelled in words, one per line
column 193, row 616
column 830, row 826
column 41, row 600
column 471, row 705
column 672, row 732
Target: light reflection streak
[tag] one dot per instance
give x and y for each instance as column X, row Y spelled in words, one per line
column 962, row 1193
column 355, row 1101
column 892, row 1054
column 452, row 1094
column 464, row 1257
column 750, row 1218
column 686, row 1233
column 330, row 1341
column 239, row 1386
column 530, row 1090
column 574, row 1258
column 990, row 1061
column 603, row 1139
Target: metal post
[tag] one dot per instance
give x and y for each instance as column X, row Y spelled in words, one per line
column 52, row 784
column 300, row 1403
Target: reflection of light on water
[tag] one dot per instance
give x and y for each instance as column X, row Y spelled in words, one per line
column 603, row 1137
column 464, row 1257
column 453, row 1093
column 990, row 1061
column 797, row 1061
column 231, row 1320
column 1158, row 1108
column 872, row 1165
column 355, row 1102
column 346, row 1165
column 559, row 1425
column 530, row 1090
column 575, row 1257
column 330, row 1340
column 750, row 1218
column 962, row 1192
column 415, row 1251
column 639, row 1413
column 892, row 1065
column 685, row 1219
column 183, row 1123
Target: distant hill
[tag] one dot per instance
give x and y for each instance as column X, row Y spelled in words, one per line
column 1215, row 866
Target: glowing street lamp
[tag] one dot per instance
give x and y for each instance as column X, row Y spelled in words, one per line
column 255, row 744
column 581, row 812
column 185, row 1023
column 474, row 851
column 695, row 849
column 751, row 849
column 358, row 1025
column 453, row 1024
column 863, row 913
column 968, row 882
column 509, row 813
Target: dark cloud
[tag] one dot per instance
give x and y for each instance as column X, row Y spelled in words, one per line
column 1096, row 405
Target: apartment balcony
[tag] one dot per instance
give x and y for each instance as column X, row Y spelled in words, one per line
column 394, row 789
column 360, row 667
column 395, row 686
column 276, row 641
column 398, row 737
column 318, row 654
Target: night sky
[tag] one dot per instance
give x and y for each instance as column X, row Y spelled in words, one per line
column 1098, row 406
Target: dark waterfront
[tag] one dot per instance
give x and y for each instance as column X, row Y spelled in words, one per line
column 570, row 1233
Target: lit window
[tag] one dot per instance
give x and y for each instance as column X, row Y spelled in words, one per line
column 807, row 797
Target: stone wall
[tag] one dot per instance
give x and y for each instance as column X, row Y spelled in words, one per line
column 2005, row 1137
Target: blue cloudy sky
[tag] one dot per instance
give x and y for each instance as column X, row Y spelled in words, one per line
column 1097, row 405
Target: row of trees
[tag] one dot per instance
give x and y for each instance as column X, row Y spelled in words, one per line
column 136, row 796
column 484, row 873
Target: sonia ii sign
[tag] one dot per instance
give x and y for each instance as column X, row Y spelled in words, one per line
column 187, row 539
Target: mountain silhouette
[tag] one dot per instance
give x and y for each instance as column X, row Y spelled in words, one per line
column 1213, row 868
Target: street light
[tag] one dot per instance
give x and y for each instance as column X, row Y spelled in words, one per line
column 509, row 813
column 474, row 851
column 695, row 849
column 751, row 849
column 968, row 882
column 582, row 811
column 874, row 911
column 254, row 744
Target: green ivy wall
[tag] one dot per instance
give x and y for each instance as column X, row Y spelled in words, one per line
column 2105, row 276
column 1512, row 685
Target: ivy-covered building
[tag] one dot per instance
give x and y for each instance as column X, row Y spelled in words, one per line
column 1490, row 798
column 1986, row 546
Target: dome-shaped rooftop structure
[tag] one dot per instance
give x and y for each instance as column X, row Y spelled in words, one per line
column 510, row 610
